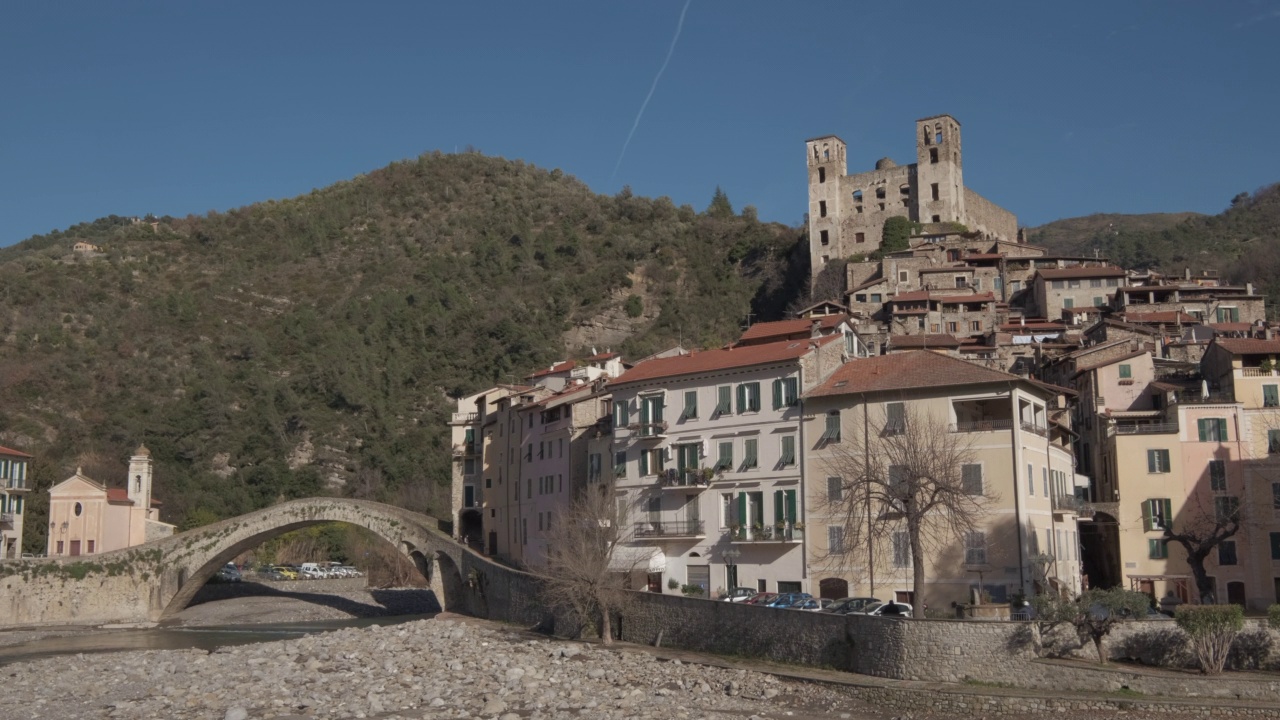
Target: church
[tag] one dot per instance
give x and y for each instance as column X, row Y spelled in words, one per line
column 87, row 517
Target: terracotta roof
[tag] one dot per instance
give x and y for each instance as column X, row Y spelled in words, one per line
column 1248, row 346
column 923, row 341
column 871, row 282
column 786, row 328
column 702, row 361
column 1168, row 316
column 15, row 453
column 1112, row 322
column 983, row 256
column 1232, row 326
column 565, row 366
column 1112, row 361
column 1081, row 272
column 905, row 371
column 118, row 496
column 601, row 356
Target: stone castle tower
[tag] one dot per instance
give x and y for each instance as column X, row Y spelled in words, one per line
column 847, row 212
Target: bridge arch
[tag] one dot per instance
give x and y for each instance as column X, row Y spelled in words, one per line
column 190, row 559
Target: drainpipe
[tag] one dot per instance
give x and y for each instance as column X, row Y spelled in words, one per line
column 800, row 506
column 866, row 474
column 1017, row 504
column 1053, row 497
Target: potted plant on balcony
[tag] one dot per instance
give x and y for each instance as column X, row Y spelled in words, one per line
column 735, row 531
column 757, row 531
column 798, row 531
column 705, row 474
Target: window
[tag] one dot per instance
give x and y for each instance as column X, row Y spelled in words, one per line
column 903, row 276
column 1270, row 396
column 835, row 539
column 936, row 218
column 595, row 464
column 832, row 432
column 971, row 479
column 1218, row 475
column 880, row 193
column 1273, row 441
column 857, row 196
column 1073, row 284
column 788, row 456
column 91, row 545
column 1275, row 497
column 1275, row 546
column 723, row 395
column 1226, row 508
column 826, row 259
column 1157, row 549
column 822, row 209
column 961, row 281
column 933, row 156
column 1126, row 372
column 1068, row 303
column 975, row 548
column 79, row 509
column 1044, row 476
column 975, row 326
column 1097, row 301
column 620, row 464
column 859, row 237
column 835, row 490
column 822, row 175
column 1212, row 429
column 725, row 459
column 1228, row 314
column 1227, row 552
column 1157, row 461
column 901, row 550
column 651, row 408
column 620, row 415
column 825, row 236
column 895, row 418
column 952, row 327
column 748, row 397
column 860, row 297
column 750, row 460
column 933, row 189
column 1156, row 514
column 875, row 298
column 785, row 392
column 1031, row 481
column 898, row 489
column 1058, row 284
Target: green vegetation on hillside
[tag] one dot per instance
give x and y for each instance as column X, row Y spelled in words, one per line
column 315, row 344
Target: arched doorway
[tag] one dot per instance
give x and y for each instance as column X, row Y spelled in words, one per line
column 471, row 529
column 833, row 588
column 1100, row 551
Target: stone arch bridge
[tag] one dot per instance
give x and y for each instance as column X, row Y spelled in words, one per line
column 152, row 582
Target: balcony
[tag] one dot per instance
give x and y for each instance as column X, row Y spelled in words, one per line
column 1072, row 505
column 1256, row 372
column 1037, row 428
column 650, row 431
column 464, row 418
column 674, row 529
column 7, row 519
column 1192, row 397
column 691, row 479
column 984, row 425
column 465, row 449
column 1143, row 429
column 15, row 485
column 787, row 533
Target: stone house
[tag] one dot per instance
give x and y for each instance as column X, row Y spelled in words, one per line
column 1064, row 288
column 1231, row 306
column 13, row 496
column 87, row 517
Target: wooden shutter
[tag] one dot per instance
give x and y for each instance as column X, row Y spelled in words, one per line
column 644, row 463
column 791, row 505
column 742, row 398
column 777, row 394
column 779, row 508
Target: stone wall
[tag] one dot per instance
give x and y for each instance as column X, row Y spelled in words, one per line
column 985, row 216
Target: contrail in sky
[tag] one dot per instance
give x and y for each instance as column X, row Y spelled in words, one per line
column 656, row 78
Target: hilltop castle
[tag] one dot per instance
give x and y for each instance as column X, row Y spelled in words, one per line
column 847, row 212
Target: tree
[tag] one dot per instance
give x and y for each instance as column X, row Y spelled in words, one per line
column 587, row 569
column 1200, row 530
column 906, row 474
column 1094, row 614
column 720, row 206
column 897, row 233
column 1212, row 629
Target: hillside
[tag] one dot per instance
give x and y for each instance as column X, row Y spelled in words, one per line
column 315, row 344
column 1243, row 241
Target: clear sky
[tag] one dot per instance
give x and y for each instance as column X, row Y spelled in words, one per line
column 1067, row 108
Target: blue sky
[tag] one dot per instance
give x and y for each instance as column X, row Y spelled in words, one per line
column 1067, row 108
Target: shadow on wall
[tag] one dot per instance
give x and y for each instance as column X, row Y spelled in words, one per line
column 411, row 601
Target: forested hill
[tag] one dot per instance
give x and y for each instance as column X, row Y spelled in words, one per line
column 1243, row 241
column 315, row 344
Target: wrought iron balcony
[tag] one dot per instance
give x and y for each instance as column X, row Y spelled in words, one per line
column 699, row 478
column 982, row 426
column 1072, row 504
column 651, row 430
column 1036, row 428
column 1143, row 429
column 464, row 418
column 7, row 519
column 671, row 529
column 767, row 533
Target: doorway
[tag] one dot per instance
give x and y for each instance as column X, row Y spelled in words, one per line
column 1235, row 593
column 833, row 588
column 75, row 548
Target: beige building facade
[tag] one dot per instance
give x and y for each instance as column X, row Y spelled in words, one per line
column 13, row 498
column 86, row 517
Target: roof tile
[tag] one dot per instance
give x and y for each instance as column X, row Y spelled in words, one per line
column 701, row 361
column 903, row 371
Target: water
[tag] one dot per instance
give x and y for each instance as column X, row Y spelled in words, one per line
column 179, row 638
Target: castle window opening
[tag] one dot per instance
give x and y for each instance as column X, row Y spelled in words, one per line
column 822, row 174
column 880, row 193
column 903, row 276
column 934, row 190
column 858, row 209
column 826, row 154
column 826, row 239
column 815, row 152
column 904, row 189
column 860, row 237
column 822, row 208
column 882, row 206
column 857, row 196
column 938, row 218
column 933, row 156
column 928, row 136
column 825, row 259
column 937, row 133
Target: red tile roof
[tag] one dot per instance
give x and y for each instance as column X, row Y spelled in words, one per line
column 565, row 366
column 905, row 371
column 786, row 328
column 1248, row 346
column 14, row 453
column 118, row 496
column 701, row 361
column 1082, row 272
column 1232, row 326
column 1169, row 316
column 1112, row 361
column 918, row 295
column 601, row 356
column 923, row 341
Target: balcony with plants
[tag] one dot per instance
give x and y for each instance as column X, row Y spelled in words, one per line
column 783, row 532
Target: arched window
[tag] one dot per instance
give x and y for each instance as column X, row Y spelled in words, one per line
column 826, row 154
column 137, row 483
column 857, row 196
column 937, row 134
column 928, row 136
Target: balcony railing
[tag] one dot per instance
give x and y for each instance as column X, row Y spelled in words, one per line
column 462, row 449
column 651, row 430
column 12, row 484
column 982, row 426
column 464, row 418
column 1256, row 372
column 1036, row 428
column 1072, row 504
column 767, row 533
column 6, row 519
column 1195, row 398
column 1144, row 429
column 691, row 478
column 672, row 529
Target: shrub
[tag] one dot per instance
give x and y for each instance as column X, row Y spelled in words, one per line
column 673, row 583
column 1273, row 616
column 691, row 589
column 634, row 306
column 1212, row 629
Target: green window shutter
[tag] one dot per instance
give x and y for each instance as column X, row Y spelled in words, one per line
column 1146, row 516
column 777, row 394
column 1203, row 426
column 788, row 449
column 833, row 427
column 1157, row 550
column 742, row 509
column 658, row 405
column 644, row 414
column 742, row 398
column 791, row 391
column 690, row 405
column 1166, row 506
column 1126, row 372
column 726, row 456
column 723, row 397
column 791, row 506
column 754, row 397
column 779, row 509
column 644, row 463
column 1273, row 441
column 750, row 448
column 1271, row 396
column 471, row 435
column 1068, row 303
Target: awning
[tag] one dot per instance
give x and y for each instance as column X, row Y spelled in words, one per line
column 629, row 558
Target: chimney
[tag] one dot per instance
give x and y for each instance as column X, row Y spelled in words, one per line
column 815, row 331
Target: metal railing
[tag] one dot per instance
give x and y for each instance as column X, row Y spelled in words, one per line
column 672, row 528
column 1036, row 428
column 462, row 449
column 1194, row 398
column 6, row 518
column 767, row 533
column 1144, row 429
column 1072, row 504
column 982, row 426
column 651, row 430
column 691, row 478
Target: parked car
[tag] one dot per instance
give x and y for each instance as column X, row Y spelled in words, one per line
column 229, row 573
column 763, row 598
column 852, row 605
column 288, row 572
column 786, row 600
column 813, row 605
column 890, row 609
column 740, row 594
column 273, row 574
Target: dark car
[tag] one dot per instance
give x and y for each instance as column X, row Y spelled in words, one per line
column 852, row 605
column 786, row 600
column 763, row 598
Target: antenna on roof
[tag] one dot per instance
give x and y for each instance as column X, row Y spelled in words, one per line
column 748, row 325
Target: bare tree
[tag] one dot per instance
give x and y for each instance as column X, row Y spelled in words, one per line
column 1201, row 529
column 588, row 568
column 907, row 474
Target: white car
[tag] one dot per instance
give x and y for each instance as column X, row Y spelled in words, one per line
column 890, row 609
